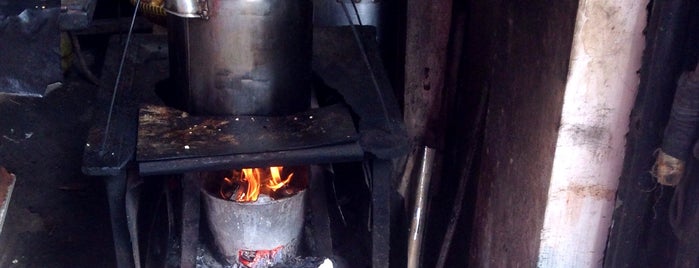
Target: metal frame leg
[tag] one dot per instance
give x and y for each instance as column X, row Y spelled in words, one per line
column 381, row 213
column 133, row 193
column 116, row 194
column 190, row 219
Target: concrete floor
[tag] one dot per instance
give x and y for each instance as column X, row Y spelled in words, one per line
column 57, row 216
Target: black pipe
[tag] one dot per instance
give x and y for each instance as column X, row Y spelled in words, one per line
column 681, row 130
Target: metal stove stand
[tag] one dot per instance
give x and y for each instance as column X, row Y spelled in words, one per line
column 368, row 128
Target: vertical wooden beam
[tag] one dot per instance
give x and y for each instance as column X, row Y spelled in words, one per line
column 520, row 52
column 427, row 37
column 428, row 29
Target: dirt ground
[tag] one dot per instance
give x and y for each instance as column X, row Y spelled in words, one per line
column 57, row 216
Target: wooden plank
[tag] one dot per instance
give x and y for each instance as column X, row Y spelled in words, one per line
column 428, row 32
column 166, row 133
column 7, row 184
column 522, row 59
column 427, row 38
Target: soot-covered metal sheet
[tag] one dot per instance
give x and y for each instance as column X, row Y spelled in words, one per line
column 338, row 61
column 166, row 133
column 30, row 61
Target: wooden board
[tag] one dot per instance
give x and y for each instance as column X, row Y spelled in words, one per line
column 166, row 133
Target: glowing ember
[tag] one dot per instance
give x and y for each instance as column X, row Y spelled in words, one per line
column 246, row 186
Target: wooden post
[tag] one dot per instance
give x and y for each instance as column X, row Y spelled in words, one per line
column 427, row 41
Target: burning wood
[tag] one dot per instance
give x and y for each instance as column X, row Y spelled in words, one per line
column 248, row 184
column 260, row 258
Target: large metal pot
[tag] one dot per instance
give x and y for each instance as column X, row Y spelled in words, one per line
column 246, row 58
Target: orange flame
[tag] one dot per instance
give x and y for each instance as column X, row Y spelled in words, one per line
column 255, row 181
column 276, row 181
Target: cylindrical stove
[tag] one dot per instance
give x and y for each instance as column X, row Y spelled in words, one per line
column 256, row 234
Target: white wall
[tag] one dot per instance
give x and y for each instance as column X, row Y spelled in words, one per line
column 600, row 92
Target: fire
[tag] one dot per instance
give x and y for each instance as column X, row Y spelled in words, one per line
column 248, row 184
column 275, row 183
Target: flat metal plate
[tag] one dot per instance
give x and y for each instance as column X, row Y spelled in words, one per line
column 322, row 155
column 120, row 146
column 337, row 59
column 30, row 60
column 166, row 133
column 7, row 184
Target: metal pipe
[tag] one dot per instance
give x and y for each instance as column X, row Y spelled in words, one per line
column 417, row 226
column 680, row 132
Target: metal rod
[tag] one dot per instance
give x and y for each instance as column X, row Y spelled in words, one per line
column 118, row 78
column 356, row 12
column 369, row 180
column 417, row 226
column 337, row 200
column 366, row 60
column 7, row 185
